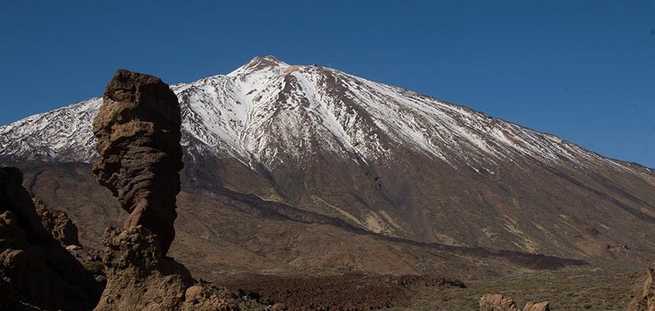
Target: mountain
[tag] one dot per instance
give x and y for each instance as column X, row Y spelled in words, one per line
column 336, row 149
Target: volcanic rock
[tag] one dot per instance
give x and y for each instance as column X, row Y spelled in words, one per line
column 541, row 306
column 59, row 225
column 497, row 302
column 645, row 300
column 35, row 268
column 138, row 138
column 137, row 274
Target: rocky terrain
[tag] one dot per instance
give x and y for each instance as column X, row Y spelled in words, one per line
column 41, row 265
column 498, row 302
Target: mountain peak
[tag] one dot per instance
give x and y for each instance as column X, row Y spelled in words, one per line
column 267, row 59
column 259, row 63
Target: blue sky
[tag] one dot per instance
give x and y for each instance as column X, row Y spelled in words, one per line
column 583, row 70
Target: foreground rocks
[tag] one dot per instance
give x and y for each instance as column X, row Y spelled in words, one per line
column 541, row 306
column 645, row 299
column 498, row 302
column 56, row 222
column 138, row 138
column 36, row 270
column 140, row 278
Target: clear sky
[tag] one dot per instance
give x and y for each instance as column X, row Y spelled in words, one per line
column 583, row 70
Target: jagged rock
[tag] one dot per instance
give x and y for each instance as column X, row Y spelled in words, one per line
column 540, row 306
column 138, row 277
column 18, row 202
column 645, row 299
column 58, row 223
column 497, row 302
column 138, row 134
column 138, row 139
column 137, row 130
column 35, row 268
column 204, row 296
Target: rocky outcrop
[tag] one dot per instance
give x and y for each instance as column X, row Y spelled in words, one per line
column 140, row 278
column 58, row 224
column 137, row 130
column 645, row 299
column 35, row 268
column 539, row 306
column 138, row 139
column 497, row 302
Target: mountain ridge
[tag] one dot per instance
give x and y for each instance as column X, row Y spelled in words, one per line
column 83, row 108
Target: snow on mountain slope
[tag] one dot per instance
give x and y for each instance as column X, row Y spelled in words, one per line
column 63, row 134
column 267, row 107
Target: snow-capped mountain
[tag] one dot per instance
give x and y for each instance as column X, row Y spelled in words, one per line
column 383, row 158
column 268, row 107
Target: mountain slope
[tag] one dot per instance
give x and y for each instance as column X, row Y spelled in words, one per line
column 386, row 160
column 236, row 113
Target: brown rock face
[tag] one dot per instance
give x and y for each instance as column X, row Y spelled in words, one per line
column 138, row 139
column 61, row 228
column 645, row 300
column 497, row 302
column 137, row 275
column 35, row 268
column 140, row 278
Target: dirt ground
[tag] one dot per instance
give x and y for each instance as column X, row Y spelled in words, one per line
column 587, row 288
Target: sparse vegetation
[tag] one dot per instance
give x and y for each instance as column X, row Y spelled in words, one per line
column 568, row 290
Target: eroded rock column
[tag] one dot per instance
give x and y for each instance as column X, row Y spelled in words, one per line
column 138, row 138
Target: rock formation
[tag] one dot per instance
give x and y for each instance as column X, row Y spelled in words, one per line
column 35, row 268
column 138, row 139
column 140, row 278
column 497, row 302
column 645, row 299
column 61, row 228
column 540, row 306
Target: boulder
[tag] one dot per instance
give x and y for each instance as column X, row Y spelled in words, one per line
column 35, row 268
column 497, row 302
column 539, row 306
